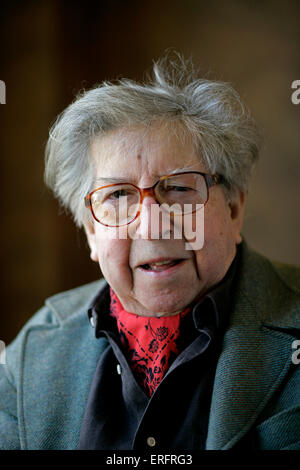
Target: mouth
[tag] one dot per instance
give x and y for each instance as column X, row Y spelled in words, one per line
column 161, row 265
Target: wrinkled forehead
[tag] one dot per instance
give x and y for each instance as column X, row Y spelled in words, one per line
column 157, row 149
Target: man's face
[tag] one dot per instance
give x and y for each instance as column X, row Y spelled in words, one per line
column 129, row 264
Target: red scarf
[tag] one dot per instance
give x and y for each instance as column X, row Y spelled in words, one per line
column 149, row 343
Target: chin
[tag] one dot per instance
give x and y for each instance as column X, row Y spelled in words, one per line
column 164, row 307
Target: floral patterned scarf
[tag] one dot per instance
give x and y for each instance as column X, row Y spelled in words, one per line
column 149, row 343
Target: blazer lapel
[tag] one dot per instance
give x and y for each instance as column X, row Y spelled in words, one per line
column 256, row 352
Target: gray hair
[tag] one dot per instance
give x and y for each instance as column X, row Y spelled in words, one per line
column 224, row 133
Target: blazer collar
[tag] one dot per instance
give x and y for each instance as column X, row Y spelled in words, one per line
column 256, row 352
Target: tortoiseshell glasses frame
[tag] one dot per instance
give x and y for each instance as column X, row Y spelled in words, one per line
column 210, row 180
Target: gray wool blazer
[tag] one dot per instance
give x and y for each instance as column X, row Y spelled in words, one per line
column 256, row 395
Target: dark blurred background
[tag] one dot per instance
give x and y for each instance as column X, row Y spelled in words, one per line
column 51, row 49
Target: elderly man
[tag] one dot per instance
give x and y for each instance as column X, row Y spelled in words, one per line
column 187, row 342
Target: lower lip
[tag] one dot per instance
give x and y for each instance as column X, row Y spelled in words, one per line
column 168, row 271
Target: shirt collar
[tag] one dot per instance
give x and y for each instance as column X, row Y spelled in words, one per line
column 211, row 313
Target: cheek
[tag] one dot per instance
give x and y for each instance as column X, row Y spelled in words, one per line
column 219, row 245
column 113, row 256
column 218, row 226
column 114, row 252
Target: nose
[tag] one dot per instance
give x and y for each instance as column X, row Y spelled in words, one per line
column 152, row 222
column 146, row 222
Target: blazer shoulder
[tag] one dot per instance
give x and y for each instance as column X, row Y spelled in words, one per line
column 271, row 287
column 289, row 274
column 70, row 305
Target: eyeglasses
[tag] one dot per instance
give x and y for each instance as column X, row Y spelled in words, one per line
column 120, row 204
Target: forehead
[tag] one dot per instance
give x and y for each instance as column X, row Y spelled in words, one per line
column 155, row 150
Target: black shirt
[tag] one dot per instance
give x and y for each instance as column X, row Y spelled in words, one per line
column 119, row 415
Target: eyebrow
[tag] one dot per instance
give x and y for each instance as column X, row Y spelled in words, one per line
column 180, row 170
column 109, row 180
column 120, row 179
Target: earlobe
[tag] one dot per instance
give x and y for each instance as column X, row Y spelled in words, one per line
column 91, row 238
column 238, row 238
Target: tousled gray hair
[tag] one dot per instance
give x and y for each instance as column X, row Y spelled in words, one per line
column 222, row 128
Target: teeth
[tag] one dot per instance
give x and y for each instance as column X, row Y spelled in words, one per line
column 159, row 266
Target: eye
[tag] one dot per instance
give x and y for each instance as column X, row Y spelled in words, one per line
column 178, row 188
column 118, row 194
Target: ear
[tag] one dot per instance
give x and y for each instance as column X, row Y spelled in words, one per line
column 237, row 208
column 92, row 240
